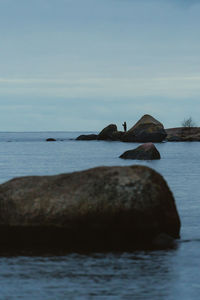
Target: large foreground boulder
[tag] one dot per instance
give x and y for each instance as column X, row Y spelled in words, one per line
column 147, row 129
column 146, row 151
column 105, row 208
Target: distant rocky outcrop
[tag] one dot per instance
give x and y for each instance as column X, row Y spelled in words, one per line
column 146, row 151
column 183, row 134
column 108, row 132
column 87, row 137
column 105, row 208
column 147, row 129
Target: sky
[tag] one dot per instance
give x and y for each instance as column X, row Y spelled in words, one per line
column 79, row 65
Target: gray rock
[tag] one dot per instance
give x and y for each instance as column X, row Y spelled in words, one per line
column 147, row 129
column 105, row 208
column 146, row 151
column 117, row 135
column 108, row 133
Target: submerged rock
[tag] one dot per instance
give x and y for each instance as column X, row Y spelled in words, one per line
column 146, row 151
column 105, row 208
column 147, row 129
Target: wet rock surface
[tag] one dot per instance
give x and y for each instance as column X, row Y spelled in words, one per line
column 164, row 241
column 105, row 208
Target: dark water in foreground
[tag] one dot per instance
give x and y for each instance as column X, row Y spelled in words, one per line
column 161, row 275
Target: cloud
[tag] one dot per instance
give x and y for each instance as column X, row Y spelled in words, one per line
column 103, row 87
column 95, row 61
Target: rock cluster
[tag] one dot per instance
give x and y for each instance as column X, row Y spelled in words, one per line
column 105, row 208
column 147, row 129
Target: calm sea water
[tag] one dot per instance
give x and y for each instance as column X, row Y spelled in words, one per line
column 164, row 275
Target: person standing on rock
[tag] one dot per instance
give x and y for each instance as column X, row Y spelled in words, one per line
column 125, row 126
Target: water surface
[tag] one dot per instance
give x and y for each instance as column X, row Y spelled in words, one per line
column 139, row 275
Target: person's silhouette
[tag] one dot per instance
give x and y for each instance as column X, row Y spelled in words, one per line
column 125, row 126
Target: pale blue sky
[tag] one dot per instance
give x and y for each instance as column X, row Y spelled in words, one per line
column 82, row 64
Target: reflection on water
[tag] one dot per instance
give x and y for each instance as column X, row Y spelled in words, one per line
column 117, row 276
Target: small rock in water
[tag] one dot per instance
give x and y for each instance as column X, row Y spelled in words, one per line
column 50, row 140
column 146, row 151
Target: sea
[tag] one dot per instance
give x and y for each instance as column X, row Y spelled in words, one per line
column 164, row 275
